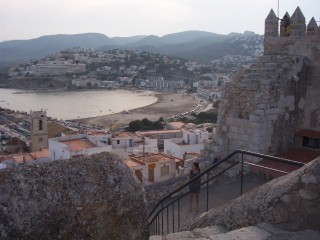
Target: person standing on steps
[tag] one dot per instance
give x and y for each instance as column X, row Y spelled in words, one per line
column 194, row 186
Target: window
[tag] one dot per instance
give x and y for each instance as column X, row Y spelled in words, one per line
column 118, row 141
column 311, row 142
column 164, row 171
column 40, row 125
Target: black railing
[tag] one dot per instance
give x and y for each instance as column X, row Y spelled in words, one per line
column 159, row 217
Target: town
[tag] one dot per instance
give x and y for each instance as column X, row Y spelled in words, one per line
column 80, row 68
column 153, row 156
column 177, row 143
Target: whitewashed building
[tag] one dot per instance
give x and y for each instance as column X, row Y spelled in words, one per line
column 71, row 146
column 191, row 141
column 152, row 168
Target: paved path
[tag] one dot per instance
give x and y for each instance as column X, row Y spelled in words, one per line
column 218, row 194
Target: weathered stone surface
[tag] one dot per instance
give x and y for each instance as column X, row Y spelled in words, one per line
column 155, row 192
column 87, row 198
column 262, row 231
column 278, row 202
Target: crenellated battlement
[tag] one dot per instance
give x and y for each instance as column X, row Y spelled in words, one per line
column 292, row 31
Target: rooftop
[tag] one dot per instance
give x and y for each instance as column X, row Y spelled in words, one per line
column 296, row 154
column 176, row 125
column 78, row 144
column 153, row 158
column 308, row 133
column 154, row 132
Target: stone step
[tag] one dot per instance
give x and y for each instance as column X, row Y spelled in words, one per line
column 199, row 233
column 262, row 231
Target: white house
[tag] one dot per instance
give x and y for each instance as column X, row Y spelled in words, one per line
column 191, row 141
column 78, row 145
column 152, row 168
column 126, row 143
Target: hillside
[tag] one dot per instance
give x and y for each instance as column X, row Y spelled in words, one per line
column 193, row 45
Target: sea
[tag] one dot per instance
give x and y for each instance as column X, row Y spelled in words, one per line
column 67, row 105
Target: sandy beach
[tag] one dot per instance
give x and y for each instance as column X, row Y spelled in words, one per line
column 168, row 104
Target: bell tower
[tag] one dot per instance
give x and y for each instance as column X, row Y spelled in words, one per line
column 39, row 130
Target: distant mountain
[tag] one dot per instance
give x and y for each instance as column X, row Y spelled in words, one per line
column 187, row 36
column 195, row 45
column 22, row 50
column 126, row 40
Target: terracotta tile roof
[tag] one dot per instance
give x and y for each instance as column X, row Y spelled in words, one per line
column 124, row 135
column 78, row 144
column 55, row 130
column 296, row 154
column 133, row 163
column 176, row 125
column 308, row 133
column 44, row 153
column 19, row 158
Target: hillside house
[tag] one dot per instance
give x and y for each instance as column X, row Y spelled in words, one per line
column 70, row 146
column 152, row 168
column 191, row 141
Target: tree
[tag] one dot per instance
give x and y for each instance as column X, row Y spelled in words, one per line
column 135, row 126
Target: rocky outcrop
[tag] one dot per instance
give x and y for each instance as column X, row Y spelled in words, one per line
column 262, row 231
column 85, row 198
column 291, row 202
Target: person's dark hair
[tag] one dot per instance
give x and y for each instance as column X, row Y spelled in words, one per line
column 196, row 164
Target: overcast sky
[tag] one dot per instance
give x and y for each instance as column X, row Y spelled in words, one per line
column 26, row 19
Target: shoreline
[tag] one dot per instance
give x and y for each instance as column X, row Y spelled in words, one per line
column 167, row 104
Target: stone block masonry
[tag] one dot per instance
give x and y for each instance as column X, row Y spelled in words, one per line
column 265, row 105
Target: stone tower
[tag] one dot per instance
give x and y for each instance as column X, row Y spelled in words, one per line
column 298, row 23
column 39, row 130
column 312, row 28
column 271, row 25
column 266, row 106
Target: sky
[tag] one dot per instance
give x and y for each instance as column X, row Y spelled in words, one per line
column 27, row 19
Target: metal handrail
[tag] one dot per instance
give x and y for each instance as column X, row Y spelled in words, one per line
column 214, row 166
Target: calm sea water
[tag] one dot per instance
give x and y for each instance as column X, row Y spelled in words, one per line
column 75, row 104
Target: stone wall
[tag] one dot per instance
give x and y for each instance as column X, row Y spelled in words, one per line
column 265, row 105
column 87, row 198
column 290, row 202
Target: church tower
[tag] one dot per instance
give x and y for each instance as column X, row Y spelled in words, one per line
column 39, row 130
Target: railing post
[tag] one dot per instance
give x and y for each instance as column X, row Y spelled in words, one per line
column 207, row 191
column 173, row 217
column 167, row 219
column 241, row 174
column 178, row 214
column 162, row 218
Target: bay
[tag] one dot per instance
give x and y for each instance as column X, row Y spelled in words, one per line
column 75, row 104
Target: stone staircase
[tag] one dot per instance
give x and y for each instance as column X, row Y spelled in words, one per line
column 262, row 231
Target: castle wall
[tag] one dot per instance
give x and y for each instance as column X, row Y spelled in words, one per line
column 265, row 105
